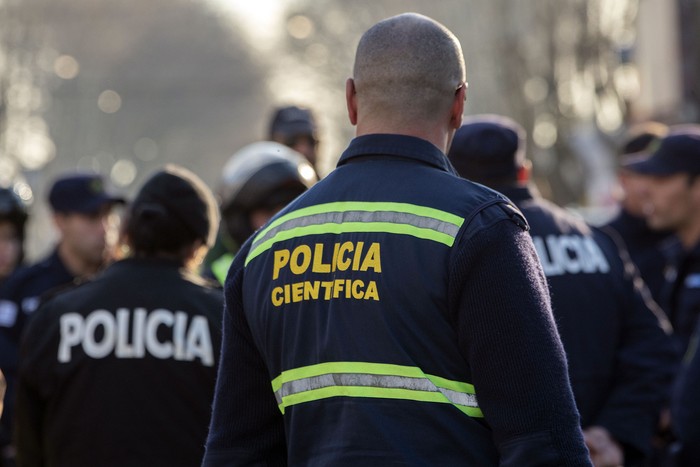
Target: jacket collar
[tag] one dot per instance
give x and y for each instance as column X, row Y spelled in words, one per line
column 408, row 147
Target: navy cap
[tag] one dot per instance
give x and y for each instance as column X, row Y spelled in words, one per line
column 488, row 147
column 640, row 136
column 81, row 193
column 291, row 121
column 678, row 152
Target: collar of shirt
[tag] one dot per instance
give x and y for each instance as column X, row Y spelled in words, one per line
column 408, row 147
column 56, row 264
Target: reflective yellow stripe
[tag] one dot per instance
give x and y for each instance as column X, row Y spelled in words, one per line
column 343, row 217
column 375, row 380
column 221, row 266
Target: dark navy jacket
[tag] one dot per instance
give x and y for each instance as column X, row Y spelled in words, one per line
column 121, row 370
column 685, row 406
column 23, row 290
column 394, row 314
column 621, row 361
column 681, row 292
column 20, row 295
column 646, row 249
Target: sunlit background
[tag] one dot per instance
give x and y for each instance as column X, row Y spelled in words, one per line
column 124, row 87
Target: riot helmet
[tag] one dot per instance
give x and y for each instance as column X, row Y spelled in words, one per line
column 262, row 177
column 13, row 209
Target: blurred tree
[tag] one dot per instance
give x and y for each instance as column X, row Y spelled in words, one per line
column 125, row 87
column 24, row 140
column 558, row 66
column 139, row 84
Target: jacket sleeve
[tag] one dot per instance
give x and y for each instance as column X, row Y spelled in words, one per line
column 33, row 386
column 646, row 362
column 685, row 406
column 507, row 333
column 247, row 428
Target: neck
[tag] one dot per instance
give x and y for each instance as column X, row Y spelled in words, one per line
column 439, row 137
column 690, row 235
column 74, row 264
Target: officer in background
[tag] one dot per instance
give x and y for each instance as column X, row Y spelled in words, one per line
column 620, row 359
column 394, row 313
column 13, row 216
column 81, row 208
column 258, row 181
column 121, row 370
column 295, row 127
column 672, row 202
column 645, row 245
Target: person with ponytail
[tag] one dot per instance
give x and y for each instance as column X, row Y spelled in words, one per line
column 121, row 370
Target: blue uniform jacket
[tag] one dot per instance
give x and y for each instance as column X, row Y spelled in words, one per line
column 646, row 248
column 681, row 292
column 20, row 295
column 685, row 406
column 621, row 358
column 394, row 314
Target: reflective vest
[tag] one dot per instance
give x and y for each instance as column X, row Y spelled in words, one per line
column 352, row 315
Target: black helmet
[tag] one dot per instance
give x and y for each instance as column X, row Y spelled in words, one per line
column 263, row 175
column 12, row 208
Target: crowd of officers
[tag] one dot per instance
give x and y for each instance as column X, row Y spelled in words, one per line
column 110, row 351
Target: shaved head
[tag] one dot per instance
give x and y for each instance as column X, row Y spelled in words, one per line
column 407, row 69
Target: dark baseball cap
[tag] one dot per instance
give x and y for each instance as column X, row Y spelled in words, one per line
column 81, row 193
column 291, row 121
column 488, row 147
column 640, row 136
column 678, row 152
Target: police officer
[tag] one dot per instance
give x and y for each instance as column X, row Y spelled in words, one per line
column 620, row 359
column 645, row 245
column 295, row 127
column 13, row 216
column 394, row 313
column 81, row 208
column 258, row 181
column 121, row 370
column 672, row 202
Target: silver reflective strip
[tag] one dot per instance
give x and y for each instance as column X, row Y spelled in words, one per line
column 362, row 216
column 376, row 381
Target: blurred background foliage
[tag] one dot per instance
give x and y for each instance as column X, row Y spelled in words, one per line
column 124, row 87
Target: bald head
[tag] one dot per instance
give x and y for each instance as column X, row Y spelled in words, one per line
column 408, row 69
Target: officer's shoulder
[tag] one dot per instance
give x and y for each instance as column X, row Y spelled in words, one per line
column 612, row 244
column 52, row 304
column 77, row 286
column 489, row 207
column 204, row 282
column 24, row 276
column 566, row 220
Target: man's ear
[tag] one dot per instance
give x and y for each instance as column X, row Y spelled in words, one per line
column 59, row 220
column 458, row 107
column 351, row 100
column 695, row 189
column 525, row 171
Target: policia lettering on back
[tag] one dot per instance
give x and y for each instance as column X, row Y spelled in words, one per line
column 134, row 334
